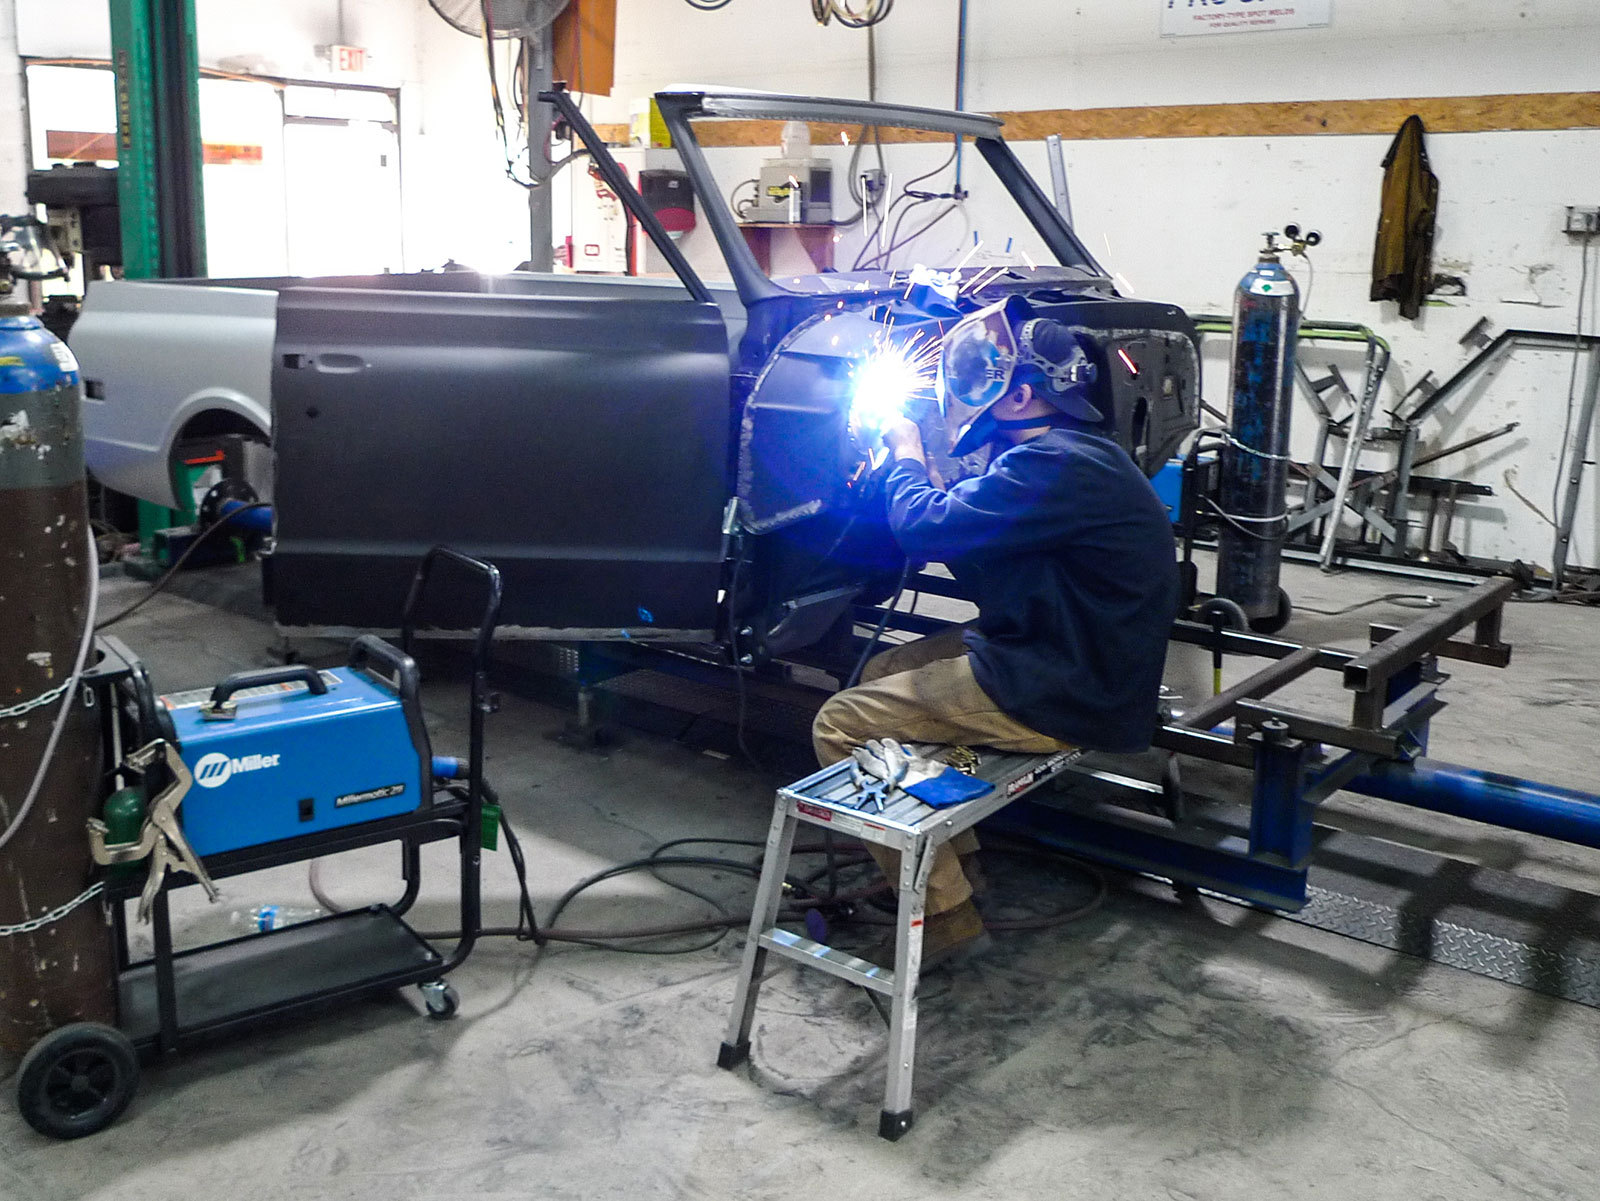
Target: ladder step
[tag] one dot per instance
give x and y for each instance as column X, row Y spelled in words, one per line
column 834, row 962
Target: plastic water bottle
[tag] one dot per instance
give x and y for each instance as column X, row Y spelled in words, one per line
column 270, row 917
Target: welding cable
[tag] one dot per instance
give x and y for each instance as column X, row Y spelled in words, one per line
column 913, row 236
column 853, row 181
column 738, row 668
column 1062, row 917
column 1025, row 849
column 1311, row 281
column 802, row 896
column 733, row 201
column 909, row 192
column 498, row 105
column 874, row 12
column 868, row 262
column 1424, row 601
column 1572, row 381
column 870, row 237
column 527, row 919
column 718, row 926
column 68, row 696
column 864, row 260
column 877, row 634
column 1236, row 521
column 171, row 572
column 1509, row 476
column 527, row 928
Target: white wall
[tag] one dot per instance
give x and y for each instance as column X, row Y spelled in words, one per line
column 13, row 154
column 459, row 202
column 1180, row 219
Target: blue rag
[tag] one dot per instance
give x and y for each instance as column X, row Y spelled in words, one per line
column 949, row 787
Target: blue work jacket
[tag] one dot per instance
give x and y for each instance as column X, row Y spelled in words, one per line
column 1070, row 556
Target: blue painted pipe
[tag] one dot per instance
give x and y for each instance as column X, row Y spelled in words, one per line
column 252, row 519
column 1486, row 796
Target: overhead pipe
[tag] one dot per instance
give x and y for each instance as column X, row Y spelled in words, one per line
column 961, row 81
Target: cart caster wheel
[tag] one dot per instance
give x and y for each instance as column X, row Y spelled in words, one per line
column 1219, row 610
column 1276, row 621
column 442, row 1000
column 77, row 1080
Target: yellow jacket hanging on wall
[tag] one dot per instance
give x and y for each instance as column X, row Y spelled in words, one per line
column 1402, row 262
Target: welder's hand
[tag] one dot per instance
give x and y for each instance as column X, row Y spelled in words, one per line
column 904, row 439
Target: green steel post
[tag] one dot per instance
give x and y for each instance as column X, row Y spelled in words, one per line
column 154, row 54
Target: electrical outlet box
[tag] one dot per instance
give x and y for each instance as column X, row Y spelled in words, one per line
column 872, row 182
column 1583, row 219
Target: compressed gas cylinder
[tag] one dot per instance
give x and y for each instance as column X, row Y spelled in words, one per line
column 123, row 814
column 61, row 972
column 1253, row 489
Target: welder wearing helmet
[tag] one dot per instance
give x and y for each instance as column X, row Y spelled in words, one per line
column 1069, row 555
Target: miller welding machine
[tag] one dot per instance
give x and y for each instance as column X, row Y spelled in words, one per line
column 270, row 767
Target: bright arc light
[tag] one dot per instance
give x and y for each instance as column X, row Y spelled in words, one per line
column 884, row 384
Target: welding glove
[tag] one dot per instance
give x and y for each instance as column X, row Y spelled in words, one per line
column 870, row 759
column 933, row 783
column 936, row 784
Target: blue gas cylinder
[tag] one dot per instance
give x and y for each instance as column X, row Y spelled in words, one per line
column 32, row 359
column 1254, row 478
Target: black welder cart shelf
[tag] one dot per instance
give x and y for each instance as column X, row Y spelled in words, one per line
column 79, row 1078
column 175, row 998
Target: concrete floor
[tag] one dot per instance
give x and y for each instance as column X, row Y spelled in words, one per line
column 1151, row 1050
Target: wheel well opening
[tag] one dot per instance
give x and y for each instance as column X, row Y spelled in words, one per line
column 217, row 423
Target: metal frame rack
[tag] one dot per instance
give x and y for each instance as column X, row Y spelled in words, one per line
column 1380, row 498
column 1296, row 759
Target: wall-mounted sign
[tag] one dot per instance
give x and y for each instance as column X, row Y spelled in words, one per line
column 1182, row 18
column 345, row 60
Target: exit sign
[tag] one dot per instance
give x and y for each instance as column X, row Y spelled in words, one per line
column 347, row 60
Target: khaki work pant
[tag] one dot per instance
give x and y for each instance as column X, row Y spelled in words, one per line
column 923, row 691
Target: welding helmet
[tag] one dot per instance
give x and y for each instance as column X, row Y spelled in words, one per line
column 999, row 348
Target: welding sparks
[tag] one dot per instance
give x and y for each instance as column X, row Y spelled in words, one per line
column 887, row 379
column 984, row 278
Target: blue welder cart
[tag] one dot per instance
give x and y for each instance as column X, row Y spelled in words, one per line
column 270, row 767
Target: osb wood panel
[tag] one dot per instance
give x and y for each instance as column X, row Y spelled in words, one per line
column 768, row 133
column 1441, row 114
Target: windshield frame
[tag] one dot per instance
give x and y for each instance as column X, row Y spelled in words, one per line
column 680, row 107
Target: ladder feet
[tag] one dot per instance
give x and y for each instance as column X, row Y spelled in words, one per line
column 892, row 1125
column 731, row 1055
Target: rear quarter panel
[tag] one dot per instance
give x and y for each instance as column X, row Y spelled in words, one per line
column 155, row 354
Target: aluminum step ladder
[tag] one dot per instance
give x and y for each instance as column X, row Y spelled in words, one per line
column 827, row 799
